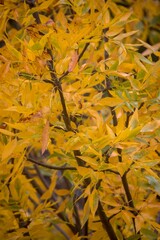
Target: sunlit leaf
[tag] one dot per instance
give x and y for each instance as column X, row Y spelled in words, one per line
column 49, row 192
column 134, row 120
column 13, row 51
column 45, row 137
column 124, row 35
column 6, row 132
column 9, row 148
column 86, row 212
column 93, row 201
column 111, row 102
column 151, row 126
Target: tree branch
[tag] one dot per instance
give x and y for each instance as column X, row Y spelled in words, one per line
column 63, row 168
column 83, row 51
column 127, row 191
column 106, row 224
column 32, row 4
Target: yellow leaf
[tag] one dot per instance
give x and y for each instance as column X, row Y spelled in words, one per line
column 18, row 167
column 93, row 201
column 122, row 167
column 114, row 31
column 62, row 192
column 127, row 216
column 125, row 35
column 9, row 148
column 151, row 126
column 50, row 190
column 30, row 54
column 86, row 211
column 45, row 137
column 139, row 63
column 13, row 51
column 16, row 187
column 121, row 123
column 111, row 102
column 127, row 134
column 85, row 172
column 134, row 120
column 148, row 46
column 20, row 109
column 89, row 160
column 62, row 65
column 62, row 206
column 122, row 54
column 102, row 141
column 125, row 16
column 4, row 194
column 6, row 132
column 45, row 5
column 110, row 132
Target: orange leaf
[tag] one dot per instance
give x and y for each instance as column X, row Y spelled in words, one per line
column 73, row 62
column 45, row 136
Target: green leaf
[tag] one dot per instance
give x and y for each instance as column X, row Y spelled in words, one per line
column 149, row 234
column 27, row 76
column 134, row 237
column 155, row 183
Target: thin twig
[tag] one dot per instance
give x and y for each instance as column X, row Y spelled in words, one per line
column 83, row 51
column 61, row 231
column 63, row 168
column 127, row 190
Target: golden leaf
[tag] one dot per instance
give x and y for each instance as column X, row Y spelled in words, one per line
column 45, row 137
column 9, row 148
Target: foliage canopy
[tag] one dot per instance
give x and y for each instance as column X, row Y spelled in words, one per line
column 79, row 120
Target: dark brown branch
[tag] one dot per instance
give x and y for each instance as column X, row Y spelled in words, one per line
column 125, row 183
column 129, row 114
column 77, row 218
column 63, row 168
column 106, row 224
column 41, row 177
column 127, row 190
column 62, row 231
column 158, row 153
column 32, row 4
column 83, row 51
column 14, row 24
column 63, row 75
column 65, row 113
column 57, row 84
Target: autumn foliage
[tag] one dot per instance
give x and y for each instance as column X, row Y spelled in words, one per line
column 79, row 120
